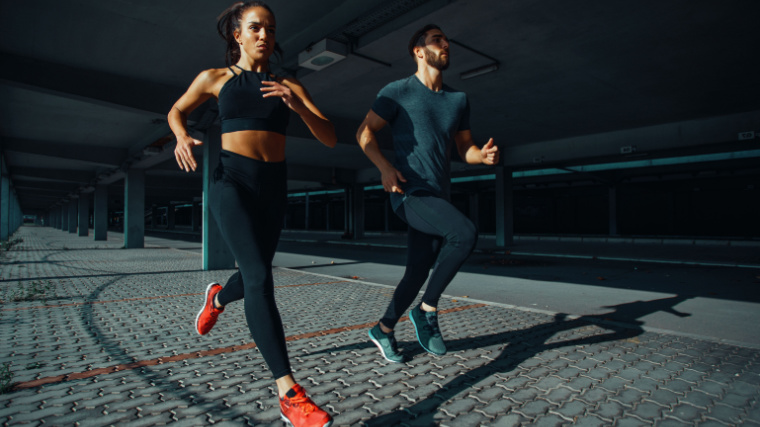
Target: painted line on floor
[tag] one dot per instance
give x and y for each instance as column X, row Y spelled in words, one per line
column 76, row 304
column 199, row 354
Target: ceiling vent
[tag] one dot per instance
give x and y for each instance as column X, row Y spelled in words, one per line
column 322, row 54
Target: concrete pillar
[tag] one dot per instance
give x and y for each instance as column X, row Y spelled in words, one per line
column 505, row 232
column 612, row 191
column 306, row 219
column 5, row 206
column 153, row 216
column 12, row 216
column 84, row 214
column 347, row 216
column 100, row 213
column 5, row 200
column 11, row 212
column 170, row 216
column 216, row 254
column 327, row 213
column 475, row 209
column 196, row 216
column 358, row 211
column 65, row 216
column 387, row 214
column 672, row 208
column 73, row 204
column 18, row 213
column 15, row 217
column 134, row 209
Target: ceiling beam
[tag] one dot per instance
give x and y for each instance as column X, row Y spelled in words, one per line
column 66, row 175
column 88, row 85
column 44, row 185
column 644, row 142
column 106, row 156
column 422, row 11
column 323, row 25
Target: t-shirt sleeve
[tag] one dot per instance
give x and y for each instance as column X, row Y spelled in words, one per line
column 464, row 121
column 385, row 106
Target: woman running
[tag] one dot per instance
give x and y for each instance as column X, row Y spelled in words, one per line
column 249, row 194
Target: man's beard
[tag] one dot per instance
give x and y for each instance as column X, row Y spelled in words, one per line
column 436, row 61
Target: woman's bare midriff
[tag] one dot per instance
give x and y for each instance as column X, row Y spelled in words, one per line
column 256, row 144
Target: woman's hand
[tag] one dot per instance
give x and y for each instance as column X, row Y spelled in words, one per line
column 278, row 89
column 204, row 86
column 184, row 152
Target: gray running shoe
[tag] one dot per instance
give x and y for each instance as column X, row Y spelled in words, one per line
column 387, row 345
column 426, row 326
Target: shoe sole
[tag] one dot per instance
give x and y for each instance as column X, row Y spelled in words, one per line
column 419, row 340
column 205, row 298
column 380, row 347
column 287, row 421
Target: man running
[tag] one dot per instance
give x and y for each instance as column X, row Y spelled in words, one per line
column 426, row 118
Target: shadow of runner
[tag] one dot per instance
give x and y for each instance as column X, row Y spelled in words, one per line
column 171, row 389
column 523, row 344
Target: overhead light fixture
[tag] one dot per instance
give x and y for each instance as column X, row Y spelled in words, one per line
column 151, row 151
column 479, row 71
column 322, row 54
column 628, row 149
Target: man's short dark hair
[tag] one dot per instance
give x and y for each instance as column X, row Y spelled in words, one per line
column 418, row 39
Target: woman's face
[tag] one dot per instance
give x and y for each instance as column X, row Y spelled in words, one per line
column 257, row 34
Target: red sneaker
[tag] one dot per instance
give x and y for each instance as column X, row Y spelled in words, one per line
column 298, row 410
column 206, row 318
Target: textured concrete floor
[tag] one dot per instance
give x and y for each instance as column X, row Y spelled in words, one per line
column 106, row 338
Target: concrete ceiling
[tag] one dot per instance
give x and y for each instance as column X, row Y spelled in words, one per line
column 85, row 85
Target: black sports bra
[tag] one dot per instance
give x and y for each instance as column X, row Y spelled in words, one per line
column 242, row 106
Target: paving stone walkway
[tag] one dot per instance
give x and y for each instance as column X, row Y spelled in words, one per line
column 98, row 335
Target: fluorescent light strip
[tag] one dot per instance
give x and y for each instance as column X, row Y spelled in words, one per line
column 700, row 158
column 316, row 193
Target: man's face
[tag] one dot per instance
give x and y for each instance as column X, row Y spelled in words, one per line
column 436, row 50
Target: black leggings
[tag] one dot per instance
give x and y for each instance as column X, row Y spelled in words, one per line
column 248, row 200
column 440, row 237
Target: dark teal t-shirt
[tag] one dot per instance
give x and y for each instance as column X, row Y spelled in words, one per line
column 423, row 124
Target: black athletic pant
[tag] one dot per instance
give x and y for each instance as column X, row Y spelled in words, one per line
column 248, row 201
column 440, row 237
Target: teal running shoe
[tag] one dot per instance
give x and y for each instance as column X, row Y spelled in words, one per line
column 428, row 334
column 387, row 345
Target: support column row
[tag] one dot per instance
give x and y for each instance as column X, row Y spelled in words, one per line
column 134, row 209
column 84, row 214
column 72, row 225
